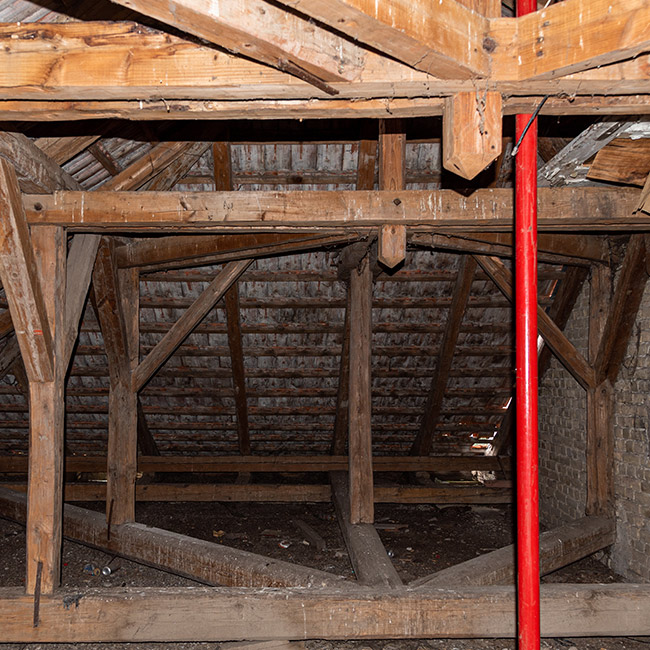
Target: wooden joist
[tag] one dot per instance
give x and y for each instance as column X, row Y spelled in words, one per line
column 586, row 208
column 557, row 548
column 150, row 464
column 187, row 322
column 175, row 614
column 563, row 349
column 623, row 160
column 369, row 558
column 274, row 493
column 207, row 562
column 262, row 32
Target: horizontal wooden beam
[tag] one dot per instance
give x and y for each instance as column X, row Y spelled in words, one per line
column 175, row 614
column 208, row 562
column 214, row 464
column 130, row 64
column 274, row 493
column 559, row 209
column 557, row 548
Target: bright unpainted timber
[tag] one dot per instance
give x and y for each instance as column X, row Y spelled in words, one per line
column 274, row 493
column 360, row 398
column 471, row 138
column 214, row 614
column 563, row 349
column 622, row 161
column 21, row 281
column 208, row 562
column 149, row 464
column 371, row 563
column 565, row 209
column 154, row 70
column 262, row 32
column 557, row 548
column 627, row 297
column 575, row 35
column 62, row 149
column 433, row 407
column 186, row 323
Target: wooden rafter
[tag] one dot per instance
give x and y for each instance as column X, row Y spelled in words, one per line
column 623, row 160
column 187, row 322
column 433, row 408
column 565, row 351
column 62, row 149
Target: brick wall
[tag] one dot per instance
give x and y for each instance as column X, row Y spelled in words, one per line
column 562, row 443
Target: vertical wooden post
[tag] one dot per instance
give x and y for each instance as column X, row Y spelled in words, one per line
column 46, row 425
column 360, row 441
column 600, row 434
column 117, row 304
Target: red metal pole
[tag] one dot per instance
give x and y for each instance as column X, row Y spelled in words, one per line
column 526, row 391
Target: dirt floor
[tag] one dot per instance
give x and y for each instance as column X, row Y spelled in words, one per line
column 422, row 539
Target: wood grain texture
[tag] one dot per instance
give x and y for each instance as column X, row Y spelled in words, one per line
column 622, row 161
column 588, row 208
column 360, row 399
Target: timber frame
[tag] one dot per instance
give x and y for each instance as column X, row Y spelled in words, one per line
column 64, row 245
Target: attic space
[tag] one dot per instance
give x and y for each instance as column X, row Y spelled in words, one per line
column 324, row 325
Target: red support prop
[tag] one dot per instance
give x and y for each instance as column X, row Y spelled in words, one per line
column 526, row 391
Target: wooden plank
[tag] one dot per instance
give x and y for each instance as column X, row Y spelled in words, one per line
column 177, row 169
column 565, row 209
column 9, row 354
column 422, row 444
column 563, row 349
column 360, row 399
column 187, row 322
column 36, row 172
column 557, row 548
column 623, row 160
column 153, row 463
column 117, row 315
column 445, row 39
column 47, row 425
column 64, row 148
column 21, row 282
column 577, row 35
column 273, row 493
column 105, row 63
column 207, row 562
column 371, row 563
column 471, row 127
column 366, row 164
column 625, row 305
column 175, row 614
column 265, row 33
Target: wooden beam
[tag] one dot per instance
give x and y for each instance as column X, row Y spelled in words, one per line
column 471, row 127
column 207, row 562
column 21, row 282
column 154, row 463
column 177, row 169
column 128, row 67
column 584, row 208
column 146, row 442
column 342, row 412
column 360, row 399
column 279, row 493
column 422, row 444
column 47, row 424
column 445, row 39
column 36, row 172
column 372, row 566
column 117, row 307
column 563, row 349
column 575, row 35
column 265, row 33
column 187, row 322
column 557, row 548
column 198, row 250
column 64, row 148
column 174, row 614
column 623, row 160
column 600, row 405
column 625, row 305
